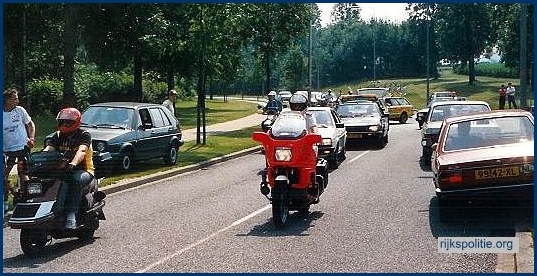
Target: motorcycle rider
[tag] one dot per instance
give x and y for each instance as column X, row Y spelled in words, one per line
column 75, row 143
column 299, row 102
column 272, row 103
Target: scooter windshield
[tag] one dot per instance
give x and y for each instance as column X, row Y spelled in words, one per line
column 289, row 124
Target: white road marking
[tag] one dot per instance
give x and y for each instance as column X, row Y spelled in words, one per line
column 199, row 242
column 359, row 156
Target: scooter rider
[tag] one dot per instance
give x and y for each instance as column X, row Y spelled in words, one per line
column 272, row 103
column 75, row 143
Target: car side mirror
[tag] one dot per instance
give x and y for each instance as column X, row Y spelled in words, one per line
column 147, row 125
column 434, row 146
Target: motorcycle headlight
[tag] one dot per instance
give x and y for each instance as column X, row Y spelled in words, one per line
column 283, row 154
column 327, row 141
column 34, row 188
column 101, row 146
column 374, row 128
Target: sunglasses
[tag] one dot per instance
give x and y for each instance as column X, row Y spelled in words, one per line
column 63, row 122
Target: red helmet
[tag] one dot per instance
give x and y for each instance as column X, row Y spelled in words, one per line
column 69, row 119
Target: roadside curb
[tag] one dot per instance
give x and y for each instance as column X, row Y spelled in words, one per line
column 134, row 182
column 521, row 262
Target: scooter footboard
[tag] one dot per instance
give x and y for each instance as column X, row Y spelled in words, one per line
column 31, row 214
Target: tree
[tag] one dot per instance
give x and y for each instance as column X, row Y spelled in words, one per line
column 464, row 31
column 345, row 12
column 274, row 27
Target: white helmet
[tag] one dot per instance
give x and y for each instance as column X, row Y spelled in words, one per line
column 272, row 93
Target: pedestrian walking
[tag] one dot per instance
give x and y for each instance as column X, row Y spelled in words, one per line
column 502, row 93
column 511, row 95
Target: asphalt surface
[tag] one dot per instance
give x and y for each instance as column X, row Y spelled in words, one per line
column 521, row 262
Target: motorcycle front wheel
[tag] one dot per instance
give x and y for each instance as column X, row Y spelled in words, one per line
column 33, row 241
column 280, row 208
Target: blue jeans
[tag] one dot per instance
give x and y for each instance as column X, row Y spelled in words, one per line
column 70, row 192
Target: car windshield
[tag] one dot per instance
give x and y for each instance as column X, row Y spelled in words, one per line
column 105, row 116
column 442, row 112
column 489, row 132
column 289, row 124
column 357, row 110
column 323, row 118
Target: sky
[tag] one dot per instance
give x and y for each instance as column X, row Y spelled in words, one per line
column 394, row 12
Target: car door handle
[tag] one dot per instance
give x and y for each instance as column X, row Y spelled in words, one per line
column 153, row 132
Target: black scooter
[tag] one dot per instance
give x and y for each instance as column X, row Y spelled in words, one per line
column 35, row 204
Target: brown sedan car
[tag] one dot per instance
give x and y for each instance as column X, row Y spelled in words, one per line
column 484, row 156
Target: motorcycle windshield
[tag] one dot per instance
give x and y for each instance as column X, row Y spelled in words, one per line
column 289, row 125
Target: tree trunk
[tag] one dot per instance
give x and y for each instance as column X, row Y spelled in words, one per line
column 70, row 40
column 471, row 70
column 137, row 93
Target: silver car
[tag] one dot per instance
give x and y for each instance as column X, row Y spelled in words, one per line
column 439, row 111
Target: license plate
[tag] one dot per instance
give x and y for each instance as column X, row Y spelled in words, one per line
column 354, row 135
column 496, row 173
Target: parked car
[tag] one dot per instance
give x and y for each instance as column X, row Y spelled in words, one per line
column 399, row 108
column 334, row 135
column 364, row 120
column 484, row 157
column 421, row 114
column 132, row 132
column 440, row 111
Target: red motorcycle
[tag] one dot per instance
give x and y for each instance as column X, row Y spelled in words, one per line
column 295, row 177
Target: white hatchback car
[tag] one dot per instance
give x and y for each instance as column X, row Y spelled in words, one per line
column 334, row 135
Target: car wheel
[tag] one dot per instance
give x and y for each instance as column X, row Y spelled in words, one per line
column 126, row 161
column 381, row 142
column 171, row 156
column 334, row 159
column 447, row 210
column 343, row 154
column 403, row 118
column 426, row 154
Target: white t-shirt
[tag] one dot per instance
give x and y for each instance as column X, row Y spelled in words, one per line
column 511, row 91
column 15, row 135
column 169, row 104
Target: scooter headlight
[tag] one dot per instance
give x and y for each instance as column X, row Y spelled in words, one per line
column 283, row 154
column 34, row 188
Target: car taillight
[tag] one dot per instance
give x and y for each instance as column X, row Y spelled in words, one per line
column 454, row 177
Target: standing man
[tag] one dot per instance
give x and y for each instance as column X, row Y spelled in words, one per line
column 170, row 101
column 511, row 95
column 502, row 95
column 19, row 134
